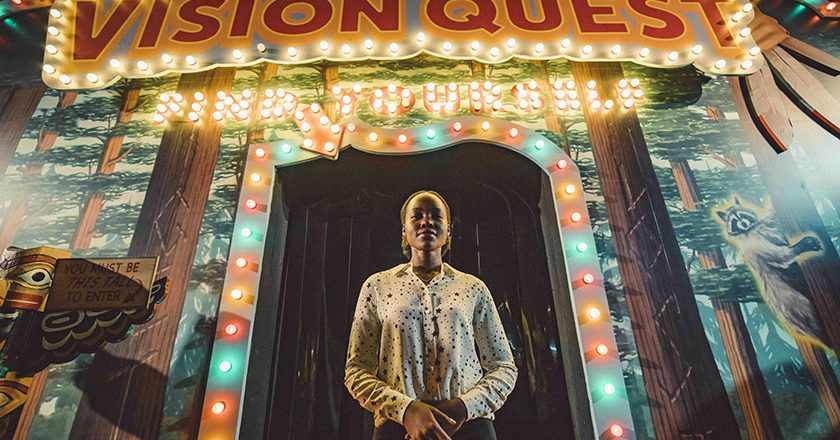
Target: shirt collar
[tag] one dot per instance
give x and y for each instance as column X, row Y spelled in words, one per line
column 402, row 270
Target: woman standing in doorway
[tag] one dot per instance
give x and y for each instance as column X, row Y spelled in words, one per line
column 411, row 358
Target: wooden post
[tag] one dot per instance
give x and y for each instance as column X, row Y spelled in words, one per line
column 124, row 392
column 686, row 394
column 17, row 104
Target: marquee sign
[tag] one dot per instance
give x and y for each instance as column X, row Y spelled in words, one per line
column 91, row 44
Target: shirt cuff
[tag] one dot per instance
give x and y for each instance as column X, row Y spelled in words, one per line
column 401, row 405
column 473, row 403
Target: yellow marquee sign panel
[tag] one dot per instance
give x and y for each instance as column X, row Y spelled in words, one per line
column 93, row 43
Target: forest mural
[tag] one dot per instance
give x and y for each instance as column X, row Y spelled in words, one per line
column 744, row 238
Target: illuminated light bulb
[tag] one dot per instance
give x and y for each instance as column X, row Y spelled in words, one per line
column 625, row 93
column 570, row 189
column 562, row 163
column 260, row 152
column 329, row 146
column 447, row 46
column 236, row 294
column 593, row 313
column 616, row 429
column 570, row 84
column 697, row 49
column 174, row 107
column 421, row 37
column 225, row 366
column 596, row 104
column 644, row 52
column 51, row 49
column 511, row 43
column 474, row 45
column 218, row 408
column 582, row 247
column 638, row 93
column 497, row 105
column 218, row 116
column 748, row 7
column 324, row 120
column 736, row 17
column 49, row 68
column 261, row 47
column 256, row 177
column 566, row 43
column 494, row 52
column 286, row 148
column 576, row 217
column 591, row 84
column 335, row 129
column 457, row 126
column 402, row 138
column 746, row 64
column 628, row 103
column 324, row 45
column 231, row 329
column 345, row 49
column 394, row 47
column 368, row 44
column 250, row 203
column 193, row 116
column 241, row 262
column 392, row 108
column 588, row 278
column 720, row 64
column 246, row 232
column 430, row 133
column 539, row 47
column 609, row 104
column 485, row 125
column 237, row 54
column 616, row 49
column 305, row 127
column 351, row 127
column 196, row 107
column 53, row 30
column 315, row 108
column 373, row 136
column 587, row 49
column 158, row 118
column 64, row 79
column 190, row 60
column 513, row 132
column 673, row 56
column 755, row 50
column 307, row 143
column 609, row 388
column 55, row 13
column 602, row 349
column 221, row 94
column 115, row 63
column 635, row 82
column 292, row 52
column 299, row 115
column 829, row 7
column 745, row 32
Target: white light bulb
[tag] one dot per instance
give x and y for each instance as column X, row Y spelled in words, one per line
column 494, row 52
column 644, row 52
column 142, row 65
column 566, row 43
column 745, row 32
column 292, row 52
column 720, row 64
column 190, row 60
column 324, row 45
column 64, row 79
column 587, row 49
column 616, row 49
column 394, row 47
column 673, row 56
column 53, row 30
column 92, row 77
column 746, row 64
column 421, row 37
column 55, row 13
column 447, row 46
column 474, row 45
column 345, row 49
column 511, row 43
column 697, row 49
column 755, row 50
column 51, row 49
column 115, row 63
column 166, row 58
column 49, row 68
column 237, row 54
column 539, row 47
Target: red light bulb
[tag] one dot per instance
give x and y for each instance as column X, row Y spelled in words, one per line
column 231, row 329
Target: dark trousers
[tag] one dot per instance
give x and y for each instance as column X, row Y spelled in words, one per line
column 475, row 429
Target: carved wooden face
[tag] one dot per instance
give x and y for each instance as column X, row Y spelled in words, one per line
column 26, row 276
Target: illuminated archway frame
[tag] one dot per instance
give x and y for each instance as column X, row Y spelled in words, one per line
column 223, row 399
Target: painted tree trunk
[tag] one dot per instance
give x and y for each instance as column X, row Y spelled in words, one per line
column 686, row 394
column 17, row 104
column 796, row 212
column 124, row 392
column 824, row 381
column 257, row 135
column 553, row 121
column 686, row 184
column 329, row 78
column 16, row 214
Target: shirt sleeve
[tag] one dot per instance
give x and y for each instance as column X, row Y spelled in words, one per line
column 491, row 391
column 360, row 377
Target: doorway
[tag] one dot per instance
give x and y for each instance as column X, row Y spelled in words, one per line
column 333, row 223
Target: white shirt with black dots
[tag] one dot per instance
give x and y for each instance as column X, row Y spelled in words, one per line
column 412, row 341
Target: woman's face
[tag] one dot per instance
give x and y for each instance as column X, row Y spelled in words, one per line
column 426, row 223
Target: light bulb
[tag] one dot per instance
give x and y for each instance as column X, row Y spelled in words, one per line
column 225, row 366
column 602, row 349
column 588, row 278
column 241, row 262
column 231, row 329
column 236, row 294
column 593, row 313
column 576, row 217
column 218, row 408
column 582, row 247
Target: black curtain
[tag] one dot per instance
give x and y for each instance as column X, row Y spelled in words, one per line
column 339, row 223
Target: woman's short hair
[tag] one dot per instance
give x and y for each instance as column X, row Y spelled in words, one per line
column 406, row 249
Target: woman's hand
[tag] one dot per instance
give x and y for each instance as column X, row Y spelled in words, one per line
column 421, row 423
column 455, row 409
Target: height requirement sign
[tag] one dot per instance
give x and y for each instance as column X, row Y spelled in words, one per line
column 91, row 44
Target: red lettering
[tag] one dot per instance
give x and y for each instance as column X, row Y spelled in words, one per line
column 88, row 45
column 715, row 20
column 242, row 18
column 189, row 13
column 321, row 14
column 673, row 28
column 585, row 14
column 484, row 19
column 151, row 32
column 552, row 19
column 385, row 19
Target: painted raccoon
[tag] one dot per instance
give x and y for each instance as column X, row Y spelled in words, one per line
column 773, row 262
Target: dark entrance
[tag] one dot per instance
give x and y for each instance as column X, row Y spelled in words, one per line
column 335, row 223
